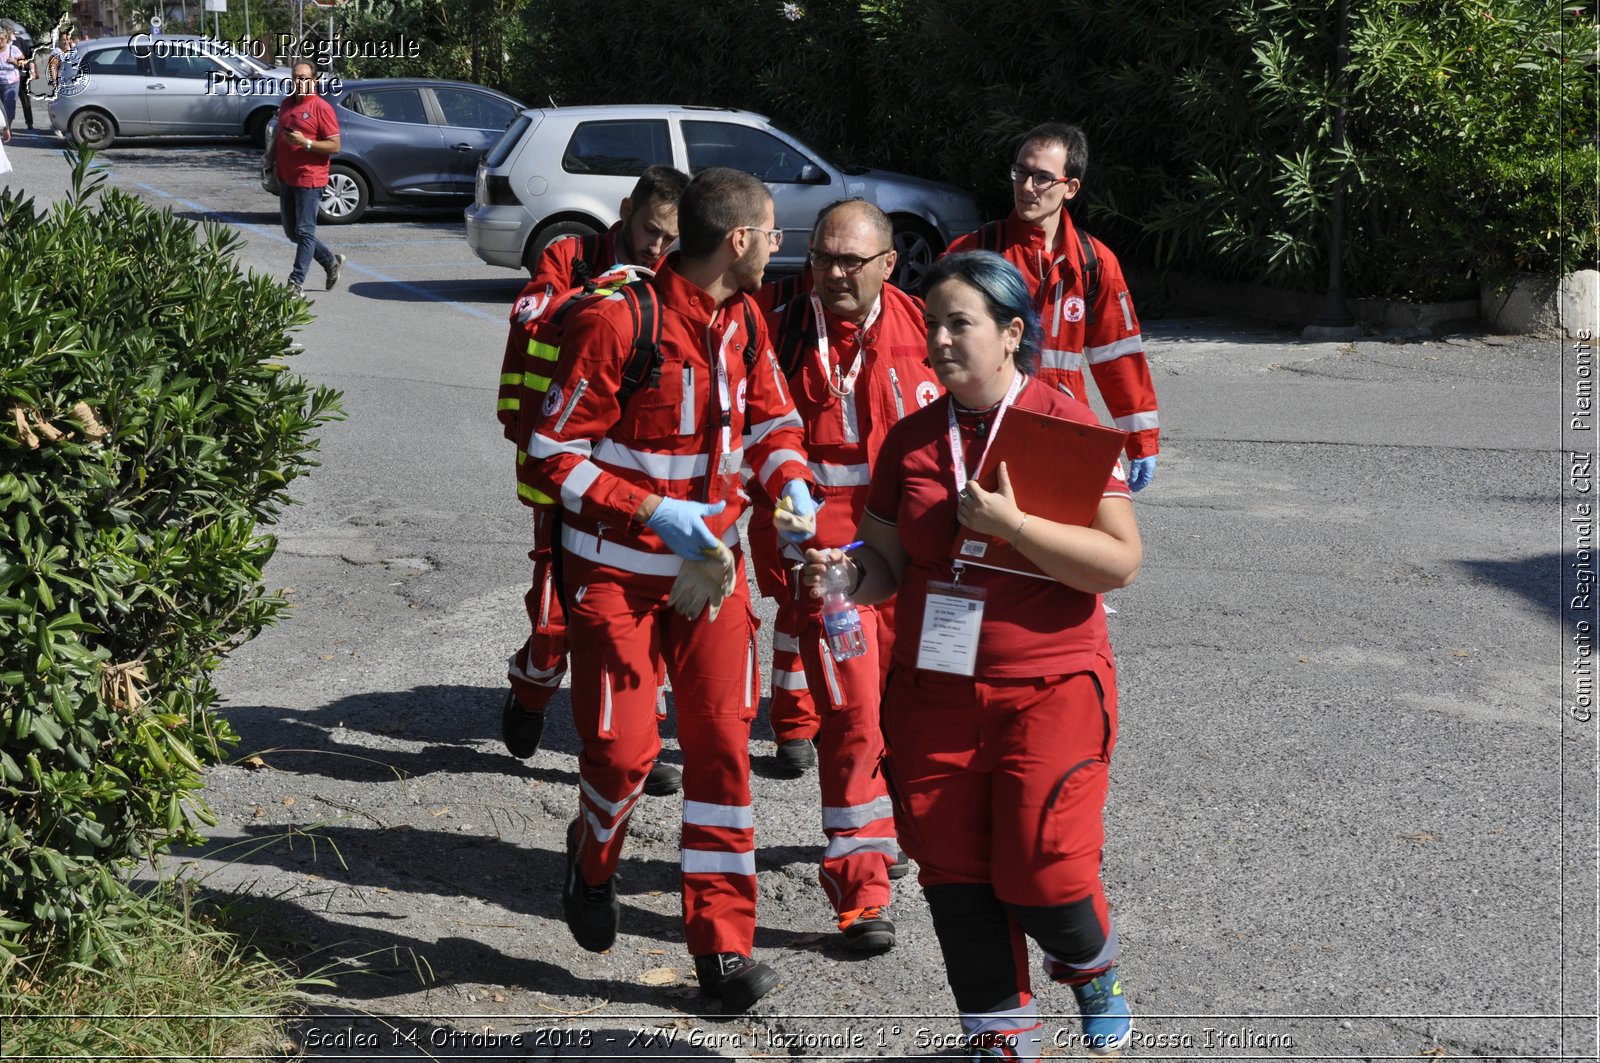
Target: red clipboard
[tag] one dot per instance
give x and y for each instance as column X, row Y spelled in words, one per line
column 1058, row 470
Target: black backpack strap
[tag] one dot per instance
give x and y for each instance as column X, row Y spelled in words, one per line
column 1091, row 277
column 750, row 352
column 587, row 262
column 991, row 236
column 790, row 342
column 786, row 290
column 643, row 367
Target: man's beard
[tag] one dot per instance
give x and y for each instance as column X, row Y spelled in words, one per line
column 746, row 266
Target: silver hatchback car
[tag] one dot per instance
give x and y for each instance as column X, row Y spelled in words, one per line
column 564, row 170
column 164, row 86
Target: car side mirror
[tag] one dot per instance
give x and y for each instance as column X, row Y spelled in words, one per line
column 812, row 174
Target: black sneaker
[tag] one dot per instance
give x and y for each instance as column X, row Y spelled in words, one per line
column 795, row 757
column 519, row 728
column 901, row 867
column 592, row 912
column 867, row 930
column 735, row 979
column 663, row 781
column 333, row 271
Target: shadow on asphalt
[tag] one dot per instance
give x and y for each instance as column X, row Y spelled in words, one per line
column 1537, row 580
column 494, row 290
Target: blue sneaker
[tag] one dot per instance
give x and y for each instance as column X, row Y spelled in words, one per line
column 1107, row 1022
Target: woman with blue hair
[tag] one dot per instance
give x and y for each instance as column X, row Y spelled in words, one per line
column 1001, row 708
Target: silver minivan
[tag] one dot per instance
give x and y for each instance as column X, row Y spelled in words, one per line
column 564, row 170
column 164, row 86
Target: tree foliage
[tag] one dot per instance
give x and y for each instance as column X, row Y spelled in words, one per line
column 1470, row 147
column 150, row 431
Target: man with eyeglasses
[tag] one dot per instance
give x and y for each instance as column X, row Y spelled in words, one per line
column 853, row 349
column 648, row 226
column 644, row 488
column 307, row 137
column 1078, row 287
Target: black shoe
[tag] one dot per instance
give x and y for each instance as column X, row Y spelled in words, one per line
column 901, row 867
column 663, row 781
column 592, row 912
column 795, row 757
column 735, row 979
column 520, row 729
column 869, row 931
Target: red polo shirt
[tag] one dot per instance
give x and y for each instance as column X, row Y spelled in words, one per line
column 1031, row 626
column 313, row 116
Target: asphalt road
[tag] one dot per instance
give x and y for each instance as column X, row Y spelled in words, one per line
column 1349, row 817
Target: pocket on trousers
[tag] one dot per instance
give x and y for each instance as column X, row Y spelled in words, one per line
column 1070, row 822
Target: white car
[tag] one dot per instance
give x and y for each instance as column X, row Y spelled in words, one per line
column 564, row 170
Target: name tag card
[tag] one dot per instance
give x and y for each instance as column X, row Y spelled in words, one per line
column 951, row 621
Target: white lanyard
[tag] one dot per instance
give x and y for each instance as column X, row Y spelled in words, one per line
column 957, row 458
column 724, row 396
column 847, row 381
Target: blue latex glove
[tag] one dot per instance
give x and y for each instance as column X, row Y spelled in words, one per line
column 1141, row 472
column 682, row 526
column 798, row 494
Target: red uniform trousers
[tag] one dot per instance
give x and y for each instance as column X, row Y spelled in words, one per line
column 999, row 787
column 620, row 629
column 535, row 670
column 857, row 816
column 792, row 711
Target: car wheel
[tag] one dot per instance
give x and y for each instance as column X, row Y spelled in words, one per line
column 916, row 246
column 345, row 198
column 255, row 127
column 93, row 130
column 548, row 235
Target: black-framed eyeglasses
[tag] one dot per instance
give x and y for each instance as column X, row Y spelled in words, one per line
column 849, row 265
column 1035, row 179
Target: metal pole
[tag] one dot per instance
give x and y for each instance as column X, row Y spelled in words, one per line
column 1334, row 320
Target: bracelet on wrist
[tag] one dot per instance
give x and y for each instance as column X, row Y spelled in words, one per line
column 861, row 577
column 1016, row 536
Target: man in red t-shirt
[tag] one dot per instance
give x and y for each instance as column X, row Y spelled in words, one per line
column 308, row 134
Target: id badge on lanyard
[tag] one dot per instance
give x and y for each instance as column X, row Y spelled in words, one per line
column 952, row 619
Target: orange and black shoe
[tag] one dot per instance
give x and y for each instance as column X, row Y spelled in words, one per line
column 867, row 929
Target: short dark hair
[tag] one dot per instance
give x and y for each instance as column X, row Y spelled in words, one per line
column 659, row 184
column 1005, row 295
column 1068, row 136
column 871, row 211
column 718, row 201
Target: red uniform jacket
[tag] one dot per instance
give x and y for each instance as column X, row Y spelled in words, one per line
column 1113, row 346
column 602, row 461
column 843, row 433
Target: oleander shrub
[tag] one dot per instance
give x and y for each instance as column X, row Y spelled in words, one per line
column 1470, row 148
column 150, row 433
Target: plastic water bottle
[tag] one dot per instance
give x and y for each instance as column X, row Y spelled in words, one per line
column 841, row 622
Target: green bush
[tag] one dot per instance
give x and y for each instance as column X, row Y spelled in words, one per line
column 129, row 565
